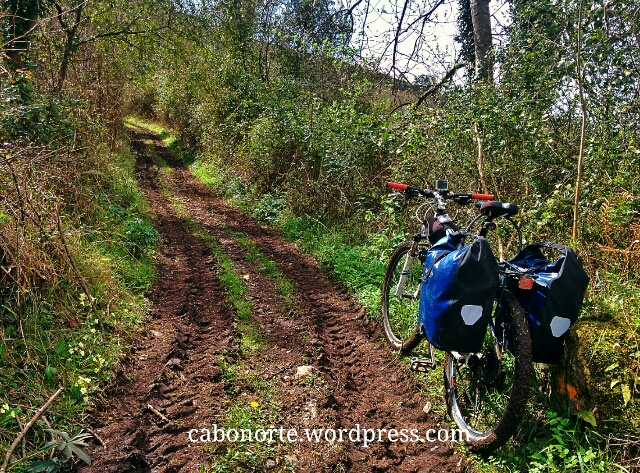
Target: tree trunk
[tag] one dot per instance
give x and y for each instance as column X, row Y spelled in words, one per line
column 482, row 39
column 71, row 44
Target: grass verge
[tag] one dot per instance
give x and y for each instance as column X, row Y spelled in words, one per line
column 64, row 337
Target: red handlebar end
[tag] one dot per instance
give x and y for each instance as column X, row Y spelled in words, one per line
column 483, row 196
column 397, row 186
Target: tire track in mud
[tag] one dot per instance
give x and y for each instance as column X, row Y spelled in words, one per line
column 367, row 386
column 176, row 366
column 172, row 378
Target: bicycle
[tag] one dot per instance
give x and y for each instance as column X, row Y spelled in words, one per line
column 486, row 391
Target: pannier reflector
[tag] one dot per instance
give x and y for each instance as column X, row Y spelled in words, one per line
column 525, row 283
column 559, row 325
column 471, row 314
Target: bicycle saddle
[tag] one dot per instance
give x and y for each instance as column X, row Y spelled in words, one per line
column 495, row 209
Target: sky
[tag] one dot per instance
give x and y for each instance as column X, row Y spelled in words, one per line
column 433, row 52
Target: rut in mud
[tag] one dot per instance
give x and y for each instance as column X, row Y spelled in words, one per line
column 178, row 379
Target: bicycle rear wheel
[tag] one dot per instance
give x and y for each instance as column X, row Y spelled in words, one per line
column 487, row 391
column 400, row 299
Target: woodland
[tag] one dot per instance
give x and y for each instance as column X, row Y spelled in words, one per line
column 298, row 111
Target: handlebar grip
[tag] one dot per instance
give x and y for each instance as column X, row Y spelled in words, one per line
column 483, row 196
column 397, row 186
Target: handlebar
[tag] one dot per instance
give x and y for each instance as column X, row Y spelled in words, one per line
column 483, row 196
column 397, row 186
column 460, row 197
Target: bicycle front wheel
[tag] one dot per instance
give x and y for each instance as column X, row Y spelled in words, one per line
column 487, row 391
column 400, row 298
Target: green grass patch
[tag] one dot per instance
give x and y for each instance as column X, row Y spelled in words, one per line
column 359, row 267
column 256, row 409
column 269, row 268
column 550, row 442
column 167, row 135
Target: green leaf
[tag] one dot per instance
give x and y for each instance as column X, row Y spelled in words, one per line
column 82, row 455
column 587, row 416
column 49, row 373
column 62, row 348
column 611, row 367
column 614, row 382
column 626, row 393
column 51, row 444
column 48, row 466
column 66, row 451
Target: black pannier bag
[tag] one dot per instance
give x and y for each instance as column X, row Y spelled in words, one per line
column 457, row 294
column 550, row 293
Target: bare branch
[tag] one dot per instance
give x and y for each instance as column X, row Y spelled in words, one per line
column 433, row 89
column 398, row 32
column 26, row 428
column 448, row 76
column 424, row 17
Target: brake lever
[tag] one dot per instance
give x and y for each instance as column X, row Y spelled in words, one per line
column 411, row 193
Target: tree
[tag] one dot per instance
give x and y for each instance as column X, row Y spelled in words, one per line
column 74, row 24
column 482, row 38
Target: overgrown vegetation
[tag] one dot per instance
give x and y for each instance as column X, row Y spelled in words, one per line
column 280, row 113
column 77, row 252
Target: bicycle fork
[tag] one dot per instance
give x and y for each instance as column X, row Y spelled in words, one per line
column 402, row 282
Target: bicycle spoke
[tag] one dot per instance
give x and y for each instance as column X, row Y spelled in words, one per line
column 487, row 391
column 400, row 298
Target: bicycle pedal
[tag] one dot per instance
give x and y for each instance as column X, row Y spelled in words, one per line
column 421, row 364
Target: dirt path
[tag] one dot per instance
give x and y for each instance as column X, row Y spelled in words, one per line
column 178, row 377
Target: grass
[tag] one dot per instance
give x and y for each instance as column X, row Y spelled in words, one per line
column 61, row 337
column 268, row 268
column 255, row 407
column 549, row 442
column 360, row 268
column 167, row 136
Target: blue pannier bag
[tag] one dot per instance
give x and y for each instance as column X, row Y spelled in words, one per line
column 550, row 293
column 457, row 294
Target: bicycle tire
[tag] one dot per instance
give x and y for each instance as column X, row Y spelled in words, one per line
column 400, row 314
column 487, row 396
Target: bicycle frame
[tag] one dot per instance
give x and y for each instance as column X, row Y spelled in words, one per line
column 486, row 390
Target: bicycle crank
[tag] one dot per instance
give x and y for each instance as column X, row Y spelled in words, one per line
column 421, row 364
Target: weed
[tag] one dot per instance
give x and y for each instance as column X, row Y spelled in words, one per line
column 67, row 445
column 56, row 332
column 269, row 207
column 553, row 443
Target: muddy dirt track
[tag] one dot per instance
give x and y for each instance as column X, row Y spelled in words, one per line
column 175, row 379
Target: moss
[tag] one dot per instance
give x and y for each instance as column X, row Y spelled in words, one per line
column 600, row 373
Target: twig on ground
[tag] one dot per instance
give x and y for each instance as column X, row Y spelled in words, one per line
column 24, row 439
column 98, row 438
column 156, row 412
column 26, row 428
